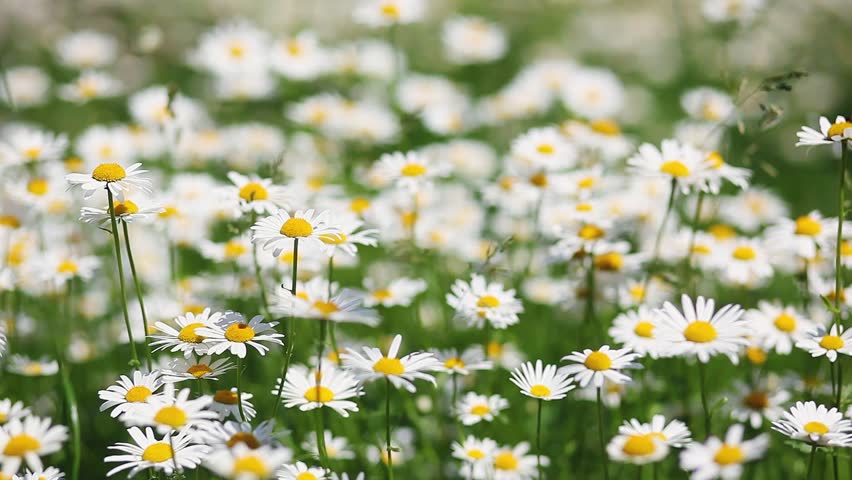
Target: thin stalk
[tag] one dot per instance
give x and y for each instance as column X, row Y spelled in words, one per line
column 240, row 388
column 656, row 252
column 139, row 296
column 538, row 439
column 696, row 218
column 320, row 432
column 811, row 462
column 323, row 324
column 264, row 303
column 388, row 428
column 589, row 313
column 288, row 354
column 841, row 216
column 174, row 454
column 134, row 361
column 702, row 374
column 839, row 398
column 601, row 436
column 68, row 391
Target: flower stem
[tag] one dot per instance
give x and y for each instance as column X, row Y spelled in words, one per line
column 288, row 354
column 811, row 462
column 601, row 436
column 841, row 216
column 134, row 361
column 388, row 428
column 68, row 391
column 323, row 454
column 264, row 303
column 656, row 252
column 589, row 313
column 139, row 295
column 702, row 374
column 538, row 439
column 240, row 388
column 696, row 218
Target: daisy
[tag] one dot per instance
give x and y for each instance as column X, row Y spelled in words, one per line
column 227, row 403
column 637, row 449
column 299, row 57
column 232, row 433
column 822, row 341
column 744, row 261
column 816, row 425
column 90, row 85
column 399, row 292
column 383, row 13
column 681, row 163
column 636, row 330
column 12, row 411
column 777, row 327
column 752, row 405
column 281, row 227
column 473, row 408
column 26, row 145
column 237, row 249
column 58, row 268
column 170, row 411
column 828, row 132
column 721, row 171
column 593, row 93
column 544, row 382
column 192, row 368
column 802, row 236
column 300, row 471
column 470, row 40
column 337, row 448
column 185, row 338
column 593, row 366
column 126, row 394
column 253, row 194
column 412, row 171
column 700, row 331
column 235, row 46
column 709, row 104
column 350, row 235
column 27, row 440
column 717, row 459
column 401, row 372
column 166, row 454
column 232, row 333
column 29, row 367
column 511, row 463
column 49, row 473
column 308, row 390
column 126, row 211
column 101, row 144
column 113, row 177
column 470, row 360
column 674, row 433
column 479, row 301
column 86, row 49
column 543, row 149
column 243, row 463
column 313, row 301
column 24, row 86
column 473, row 451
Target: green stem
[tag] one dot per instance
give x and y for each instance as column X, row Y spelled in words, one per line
column 134, row 362
column 68, row 390
column 696, row 219
column 288, row 354
column 601, row 436
column 139, row 296
column 811, row 462
column 264, row 303
column 538, row 439
column 702, row 374
column 589, row 314
column 656, row 252
column 839, row 399
column 323, row 454
column 240, row 388
column 174, row 454
column 841, row 216
column 388, row 428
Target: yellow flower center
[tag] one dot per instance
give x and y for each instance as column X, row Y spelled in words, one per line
column 644, row 329
column 413, row 170
column 539, row 180
column 598, row 361
column 138, row 394
column 187, row 334
column 540, row 391
column 831, row 342
column 239, row 332
column 807, row 226
column 319, row 394
column 389, row 366
column 381, row 294
column 226, row 397
column 716, row 160
column 168, row 211
column 590, row 232
column 236, row 50
column 785, row 322
column 246, row 438
column 609, row 262
column 157, row 452
column 33, row 368
column 451, row 363
column 10, row 221
column 306, row 476
column 637, row 292
column 506, row 461
column 756, row 400
column 728, row 454
column 109, row 172
column 67, row 266
column 638, row 445
column 21, row 444
column 326, row 308
column 488, row 301
column 172, row 416
column 234, row 249
column 390, row 10
column 125, row 208
column 359, row 205
column 744, row 253
column 251, row 464
column 199, row 370
column 545, row 149
column 605, row 127
column 583, row 207
column 720, row 231
column 3, row 417
column 37, row 186
column 253, row 191
column 294, row 48
column 674, row 168
column 838, row 128
column 494, row 349
column 506, row 183
column 476, row 454
column 333, row 238
column 700, row 331
column 296, row 228
column 32, row 153
column 480, row 410
column 816, row 427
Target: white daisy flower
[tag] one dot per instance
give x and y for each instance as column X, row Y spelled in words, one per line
column 113, row 177
column 471, row 359
column 227, row 403
column 411, row 171
column 473, row 451
column 708, row 104
column 60, row 267
column 26, row 145
column 637, row 330
column 172, row 411
column 401, row 372
column 165, row 454
column 313, row 301
column 236, row 46
column 543, row 149
column 473, row 408
column 192, row 368
column 230, row 434
column 300, row 471
column 828, row 132
column 637, row 449
column 49, row 473
column 309, row 389
column 480, row 301
column 701, row 331
column 744, row 261
column 721, row 171
column 86, row 49
column 241, row 462
column 511, row 463
column 593, row 366
column 101, row 144
column 674, row 433
column 126, row 211
column 470, row 40
column 544, row 382
column 398, row 292
column 90, row 85
column 383, row 13
column 593, row 93
column 752, row 405
column 30, row 367
column 675, row 161
column 822, row 341
column 27, row 440
column 232, row 333
column 802, row 236
column 299, row 57
column 12, row 410
column 126, row 394
column 254, row 194
column 777, row 327
column 337, row 448
column 722, row 459
column 185, row 337
column 24, row 86
column 282, row 228
column 349, row 236
column 816, row 425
